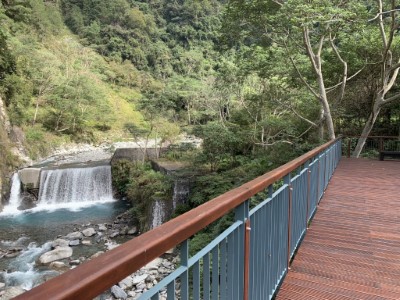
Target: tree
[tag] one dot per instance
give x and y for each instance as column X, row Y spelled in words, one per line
column 46, row 77
column 386, row 20
column 219, row 143
column 319, row 25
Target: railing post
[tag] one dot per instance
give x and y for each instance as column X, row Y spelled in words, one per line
column 246, row 260
column 307, row 166
column 287, row 180
column 242, row 214
column 348, row 147
column 380, row 144
column 319, row 162
column 325, row 167
column 185, row 275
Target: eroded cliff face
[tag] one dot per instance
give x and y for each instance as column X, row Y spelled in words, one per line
column 8, row 160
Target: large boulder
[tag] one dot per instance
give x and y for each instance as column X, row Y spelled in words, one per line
column 56, row 254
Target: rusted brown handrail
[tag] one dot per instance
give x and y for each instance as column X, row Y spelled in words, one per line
column 97, row 275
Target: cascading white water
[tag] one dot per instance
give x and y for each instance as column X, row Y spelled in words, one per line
column 15, row 196
column 158, row 213
column 22, row 272
column 75, row 185
column 181, row 192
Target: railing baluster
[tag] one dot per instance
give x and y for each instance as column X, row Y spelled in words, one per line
column 215, row 274
column 286, row 181
column 196, row 281
column 230, row 266
column 185, row 275
column 206, row 277
column 222, row 262
column 171, row 290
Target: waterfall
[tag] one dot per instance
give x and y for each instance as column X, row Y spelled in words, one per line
column 15, row 196
column 75, row 185
column 181, row 191
column 158, row 213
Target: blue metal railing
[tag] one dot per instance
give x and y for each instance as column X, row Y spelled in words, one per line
column 278, row 224
column 247, row 261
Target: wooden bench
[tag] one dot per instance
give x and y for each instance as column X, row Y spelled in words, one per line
column 391, row 154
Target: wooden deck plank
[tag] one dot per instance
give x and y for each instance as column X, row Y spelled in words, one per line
column 352, row 249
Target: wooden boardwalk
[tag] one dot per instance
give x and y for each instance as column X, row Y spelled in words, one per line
column 352, row 248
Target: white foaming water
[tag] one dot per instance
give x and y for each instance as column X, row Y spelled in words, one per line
column 181, row 192
column 22, row 268
column 72, row 188
column 15, row 197
column 158, row 214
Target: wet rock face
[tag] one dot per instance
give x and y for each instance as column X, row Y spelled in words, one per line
column 28, row 201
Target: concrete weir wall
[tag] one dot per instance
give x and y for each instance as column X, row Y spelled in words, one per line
column 30, row 177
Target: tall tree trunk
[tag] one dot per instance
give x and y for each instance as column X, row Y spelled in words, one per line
column 366, row 131
column 36, row 112
column 321, row 125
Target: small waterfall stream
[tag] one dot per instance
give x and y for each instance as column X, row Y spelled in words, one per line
column 181, row 191
column 158, row 213
column 15, row 196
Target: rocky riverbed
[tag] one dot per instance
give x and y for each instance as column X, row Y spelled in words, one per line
column 69, row 251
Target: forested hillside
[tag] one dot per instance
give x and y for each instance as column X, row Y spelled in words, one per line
column 91, row 70
column 81, row 70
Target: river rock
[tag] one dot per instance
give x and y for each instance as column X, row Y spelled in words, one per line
column 86, row 242
column 74, row 243
column 12, row 291
column 56, row 254
column 141, row 286
column 89, row 232
column 139, row 278
column 132, row 231
column 74, row 236
column 126, row 283
column 59, row 243
column 11, row 254
column 2, row 285
column 118, row 292
column 153, row 265
column 75, row 262
column 59, row 266
column 114, row 234
column 97, row 254
column 102, row 227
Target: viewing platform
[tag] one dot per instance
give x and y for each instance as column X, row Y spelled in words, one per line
column 352, row 248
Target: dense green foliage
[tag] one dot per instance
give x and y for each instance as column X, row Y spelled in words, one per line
column 142, row 186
